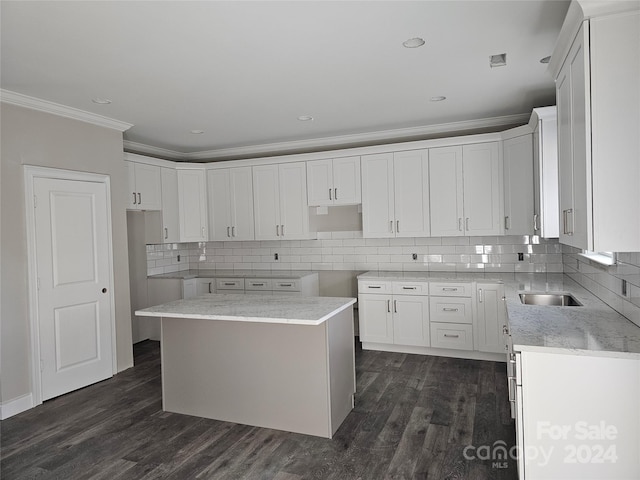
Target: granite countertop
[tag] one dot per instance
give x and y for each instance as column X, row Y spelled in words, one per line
column 591, row 329
column 293, row 310
column 187, row 274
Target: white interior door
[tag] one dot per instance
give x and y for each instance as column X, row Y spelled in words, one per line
column 73, row 270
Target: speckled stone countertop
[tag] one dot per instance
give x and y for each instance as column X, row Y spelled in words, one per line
column 591, row 329
column 187, row 274
column 294, row 310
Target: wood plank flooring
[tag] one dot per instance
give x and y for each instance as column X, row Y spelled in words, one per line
column 413, row 418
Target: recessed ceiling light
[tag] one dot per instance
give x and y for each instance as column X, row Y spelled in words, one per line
column 197, row 132
column 305, row 118
column 101, row 101
column 498, row 60
column 439, row 98
column 413, row 42
column 545, row 59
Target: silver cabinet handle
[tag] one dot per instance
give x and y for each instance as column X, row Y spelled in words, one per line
column 134, row 198
column 330, row 195
column 374, row 286
column 388, row 306
column 233, row 231
column 209, row 287
column 395, row 306
column 391, row 226
column 535, row 222
column 397, row 226
column 229, row 284
column 202, row 229
column 448, row 289
column 282, row 230
column 166, row 233
column 408, row 288
column 459, row 224
column 257, row 284
column 335, row 193
column 228, row 232
column 507, row 223
column 480, row 295
column 449, row 309
column 466, row 224
column 570, row 230
column 277, row 230
column 448, row 335
column 139, row 198
column 285, row 284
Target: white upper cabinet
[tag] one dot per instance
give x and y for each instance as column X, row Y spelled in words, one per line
column 145, row 191
column 395, row 194
column 518, row 185
column 598, row 123
column 192, row 205
column 545, row 171
column 445, row 186
column 170, row 215
column 334, row 181
column 230, row 193
column 280, row 201
column 465, row 190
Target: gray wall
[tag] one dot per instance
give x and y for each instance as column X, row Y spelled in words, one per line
column 30, row 137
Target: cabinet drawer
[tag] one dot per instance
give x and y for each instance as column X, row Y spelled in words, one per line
column 450, row 289
column 285, row 285
column 230, row 284
column 410, row 288
column 452, row 335
column 368, row 286
column 258, row 284
column 450, row 310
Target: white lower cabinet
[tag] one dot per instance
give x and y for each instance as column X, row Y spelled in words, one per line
column 569, row 428
column 432, row 317
column 205, row 285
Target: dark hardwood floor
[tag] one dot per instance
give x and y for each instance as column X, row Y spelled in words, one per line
column 413, row 418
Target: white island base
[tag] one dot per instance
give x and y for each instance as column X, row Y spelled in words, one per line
column 297, row 376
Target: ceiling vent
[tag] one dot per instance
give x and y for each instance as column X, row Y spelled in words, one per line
column 498, row 60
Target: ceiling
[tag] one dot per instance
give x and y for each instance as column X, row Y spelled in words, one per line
column 243, row 72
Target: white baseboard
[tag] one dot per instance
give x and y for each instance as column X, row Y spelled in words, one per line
column 16, row 406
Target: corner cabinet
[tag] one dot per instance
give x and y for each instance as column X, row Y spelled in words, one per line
column 465, row 185
column 518, row 185
column 230, row 193
column 598, row 123
column 545, row 171
column 144, row 186
column 192, row 205
column 280, row 201
column 334, row 182
column 395, row 194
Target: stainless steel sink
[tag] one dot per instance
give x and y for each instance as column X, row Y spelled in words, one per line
column 554, row 299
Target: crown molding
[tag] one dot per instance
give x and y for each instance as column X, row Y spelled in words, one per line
column 13, row 98
column 144, row 149
column 297, row 146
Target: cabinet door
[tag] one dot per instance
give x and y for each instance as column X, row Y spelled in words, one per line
column 294, row 211
column 377, row 196
column 490, row 318
column 481, row 179
column 148, row 186
column 565, row 152
column 170, row 217
column 132, row 199
column 219, row 195
column 411, row 320
column 241, row 185
column 189, row 288
column 320, row 182
column 205, row 285
column 266, row 202
column 445, row 191
column 192, row 200
column 545, row 173
column 375, row 318
column 411, row 193
column 346, row 181
column 518, row 185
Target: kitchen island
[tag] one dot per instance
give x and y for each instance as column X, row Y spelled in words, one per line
column 286, row 363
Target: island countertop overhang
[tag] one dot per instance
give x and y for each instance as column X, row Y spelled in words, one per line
column 294, row 310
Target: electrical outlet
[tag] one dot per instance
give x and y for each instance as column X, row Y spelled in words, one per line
column 275, row 257
column 178, row 257
column 414, row 256
column 520, row 257
column 625, row 290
